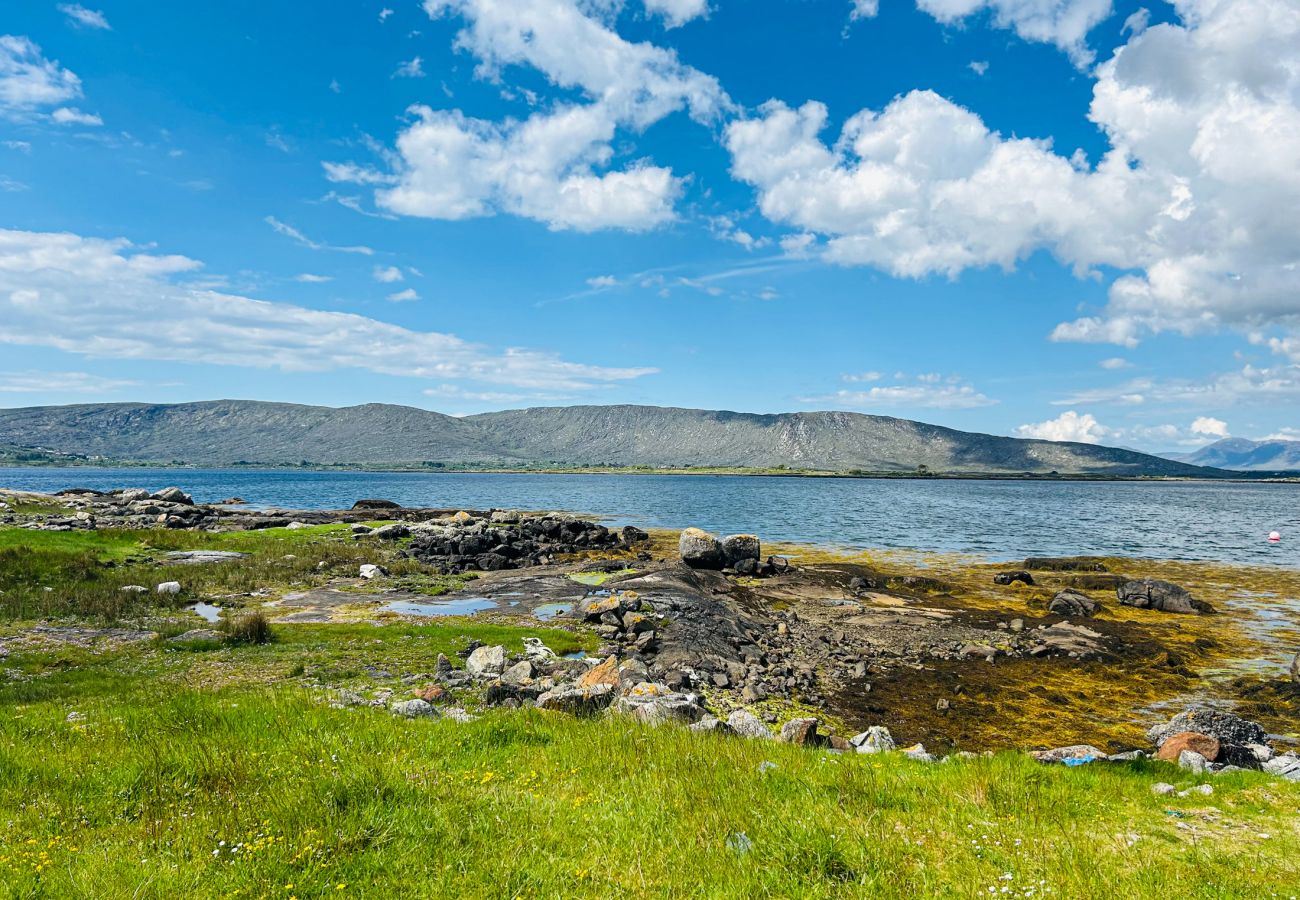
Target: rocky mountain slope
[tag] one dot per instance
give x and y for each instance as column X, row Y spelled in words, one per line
column 224, row 432
column 1246, row 456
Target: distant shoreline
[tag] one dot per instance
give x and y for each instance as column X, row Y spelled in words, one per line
column 399, row 469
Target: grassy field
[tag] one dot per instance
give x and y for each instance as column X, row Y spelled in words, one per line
column 153, row 769
column 223, row 772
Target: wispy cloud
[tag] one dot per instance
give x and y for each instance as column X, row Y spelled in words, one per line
column 290, row 232
column 59, row 383
column 412, row 68
column 70, row 115
column 928, row 391
column 108, row 299
column 84, row 18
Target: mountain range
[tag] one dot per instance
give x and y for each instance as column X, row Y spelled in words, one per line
column 1245, row 455
column 227, row 432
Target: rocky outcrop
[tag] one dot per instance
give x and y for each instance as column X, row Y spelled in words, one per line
column 465, row 542
column 1162, row 596
column 1073, row 604
column 1226, row 727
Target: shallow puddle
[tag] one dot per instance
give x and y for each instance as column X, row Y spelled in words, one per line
column 547, row 611
column 461, row 606
column 206, row 611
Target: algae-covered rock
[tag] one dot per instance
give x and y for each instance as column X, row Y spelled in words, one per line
column 699, row 549
column 740, row 547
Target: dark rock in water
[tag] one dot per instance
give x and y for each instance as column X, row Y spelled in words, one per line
column 1098, row 582
column 737, row 547
column 376, row 504
column 1009, row 577
column 699, row 549
column 746, row 566
column 1073, row 604
column 1065, row 564
column 1161, row 596
column 1229, row 729
column 633, row 535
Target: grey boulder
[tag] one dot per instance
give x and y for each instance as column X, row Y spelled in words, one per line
column 1161, row 596
column 699, row 549
column 738, row 547
column 486, row 661
column 1073, row 604
column 746, row 724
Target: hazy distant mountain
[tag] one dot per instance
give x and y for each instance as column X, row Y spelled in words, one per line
column 1246, row 456
column 223, row 432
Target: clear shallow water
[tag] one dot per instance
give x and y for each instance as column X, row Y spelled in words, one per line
column 461, row 606
column 997, row 519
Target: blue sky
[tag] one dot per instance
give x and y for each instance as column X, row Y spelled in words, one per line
column 1061, row 218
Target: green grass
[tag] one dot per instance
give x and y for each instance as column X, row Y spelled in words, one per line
column 149, row 793
column 81, row 573
column 208, row 769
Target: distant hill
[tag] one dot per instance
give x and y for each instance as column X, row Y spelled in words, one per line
column 226, row 432
column 1246, row 456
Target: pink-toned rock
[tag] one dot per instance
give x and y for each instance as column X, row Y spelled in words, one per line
column 1175, row 744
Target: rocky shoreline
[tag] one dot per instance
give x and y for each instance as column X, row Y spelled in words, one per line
column 711, row 633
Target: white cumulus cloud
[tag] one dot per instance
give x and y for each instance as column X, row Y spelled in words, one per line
column 1210, row 427
column 1068, row 426
column 387, row 274
column 677, row 12
column 108, row 299
column 556, row 166
column 29, row 81
column 1065, row 23
column 1196, row 203
column 863, row 9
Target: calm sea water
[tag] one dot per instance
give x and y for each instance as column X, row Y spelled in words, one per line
column 996, row 519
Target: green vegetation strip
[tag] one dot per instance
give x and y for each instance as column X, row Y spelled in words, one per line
column 163, row 786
